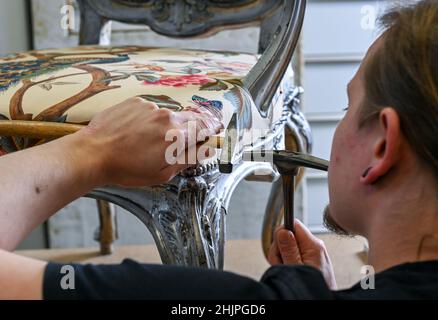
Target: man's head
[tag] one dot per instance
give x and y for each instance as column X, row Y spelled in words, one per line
column 390, row 131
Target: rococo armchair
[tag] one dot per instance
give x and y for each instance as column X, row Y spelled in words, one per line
column 255, row 94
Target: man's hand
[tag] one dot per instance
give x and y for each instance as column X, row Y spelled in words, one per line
column 123, row 145
column 301, row 248
column 129, row 139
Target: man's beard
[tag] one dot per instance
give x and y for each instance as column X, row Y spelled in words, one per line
column 332, row 225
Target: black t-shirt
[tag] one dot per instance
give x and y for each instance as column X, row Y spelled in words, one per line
column 131, row 280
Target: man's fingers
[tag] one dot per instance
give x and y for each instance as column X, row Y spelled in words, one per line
column 136, row 102
column 190, row 128
column 202, row 120
column 195, row 153
column 289, row 251
column 190, row 157
column 304, row 237
column 198, row 126
column 185, row 116
column 274, row 256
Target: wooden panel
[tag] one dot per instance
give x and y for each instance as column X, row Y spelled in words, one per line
column 326, row 86
column 337, row 27
column 14, row 26
column 337, row 35
column 322, row 136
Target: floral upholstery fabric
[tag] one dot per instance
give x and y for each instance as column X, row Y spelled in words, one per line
column 71, row 85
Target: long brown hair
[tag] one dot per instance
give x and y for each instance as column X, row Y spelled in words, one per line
column 403, row 74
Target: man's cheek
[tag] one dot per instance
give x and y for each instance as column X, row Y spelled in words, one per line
column 334, row 155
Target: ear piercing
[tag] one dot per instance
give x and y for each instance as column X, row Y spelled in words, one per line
column 366, row 172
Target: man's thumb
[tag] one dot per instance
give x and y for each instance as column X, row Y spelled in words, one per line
column 287, row 245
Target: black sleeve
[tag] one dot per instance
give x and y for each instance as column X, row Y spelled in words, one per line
column 131, row 280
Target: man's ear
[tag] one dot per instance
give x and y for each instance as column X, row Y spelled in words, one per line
column 386, row 151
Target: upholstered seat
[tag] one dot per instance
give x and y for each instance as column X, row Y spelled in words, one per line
column 71, row 85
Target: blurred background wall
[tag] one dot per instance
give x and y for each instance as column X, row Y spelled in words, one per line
column 15, row 26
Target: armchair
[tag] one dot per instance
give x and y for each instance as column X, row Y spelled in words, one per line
column 187, row 215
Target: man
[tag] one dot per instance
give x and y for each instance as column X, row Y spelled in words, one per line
column 383, row 182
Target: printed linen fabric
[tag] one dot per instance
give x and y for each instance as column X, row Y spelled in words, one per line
column 71, row 85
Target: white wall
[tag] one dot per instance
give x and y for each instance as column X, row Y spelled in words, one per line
column 336, row 36
column 14, row 26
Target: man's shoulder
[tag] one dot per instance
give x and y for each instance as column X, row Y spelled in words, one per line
column 297, row 282
column 417, row 280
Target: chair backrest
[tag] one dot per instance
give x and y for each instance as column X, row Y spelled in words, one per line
column 280, row 22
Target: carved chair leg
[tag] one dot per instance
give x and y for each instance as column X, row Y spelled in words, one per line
column 188, row 223
column 207, row 217
column 187, row 216
column 107, row 232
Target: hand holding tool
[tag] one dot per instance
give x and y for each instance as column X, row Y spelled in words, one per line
column 288, row 164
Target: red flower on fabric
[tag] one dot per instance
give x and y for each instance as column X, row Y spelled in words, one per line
column 181, row 81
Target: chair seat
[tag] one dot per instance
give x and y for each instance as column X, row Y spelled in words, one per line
column 72, row 85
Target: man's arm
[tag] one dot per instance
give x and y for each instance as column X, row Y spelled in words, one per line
column 124, row 145
column 20, row 277
column 37, row 182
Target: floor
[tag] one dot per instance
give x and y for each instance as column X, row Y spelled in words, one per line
column 242, row 256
